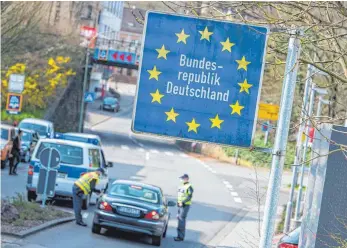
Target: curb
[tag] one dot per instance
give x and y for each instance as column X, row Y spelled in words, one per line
column 36, row 229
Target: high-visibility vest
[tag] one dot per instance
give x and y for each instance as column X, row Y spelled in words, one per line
column 84, row 181
column 183, row 193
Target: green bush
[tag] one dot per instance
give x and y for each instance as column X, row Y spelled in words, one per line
column 11, row 118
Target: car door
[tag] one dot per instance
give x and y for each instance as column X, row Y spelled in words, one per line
column 103, row 179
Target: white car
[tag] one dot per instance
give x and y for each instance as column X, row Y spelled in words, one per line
column 43, row 127
column 76, row 159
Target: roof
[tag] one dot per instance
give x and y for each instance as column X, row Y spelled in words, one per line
column 6, row 126
column 36, row 121
column 129, row 23
column 145, row 185
column 84, row 135
column 68, row 142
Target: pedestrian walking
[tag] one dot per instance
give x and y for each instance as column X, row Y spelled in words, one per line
column 15, row 153
column 184, row 201
column 84, row 186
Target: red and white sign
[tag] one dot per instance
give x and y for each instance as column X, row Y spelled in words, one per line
column 88, row 32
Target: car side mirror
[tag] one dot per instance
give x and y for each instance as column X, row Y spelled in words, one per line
column 109, row 164
column 171, row 203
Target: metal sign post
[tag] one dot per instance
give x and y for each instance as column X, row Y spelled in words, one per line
column 280, row 146
column 49, row 161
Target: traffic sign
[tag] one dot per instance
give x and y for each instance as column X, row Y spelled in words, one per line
column 14, row 103
column 89, row 97
column 16, row 83
column 268, row 111
column 102, row 54
column 45, row 159
column 51, row 181
column 265, row 127
column 115, row 56
column 199, row 79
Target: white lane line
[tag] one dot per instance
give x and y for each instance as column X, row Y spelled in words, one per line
column 154, row 151
column 226, row 182
column 147, row 155
column 234, row 193
column 169, row 153
column 125, row 147
column 237, row 199
column 229, row 186
column 142, row 145
column 213, row 171
column 140, row 149
column 85, row 215
column 183, row 155
column 135, row 177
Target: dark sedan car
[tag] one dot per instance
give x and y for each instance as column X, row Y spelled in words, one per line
column 29, row 141
column 290, row 240
column 110, row 103
column 133, row 207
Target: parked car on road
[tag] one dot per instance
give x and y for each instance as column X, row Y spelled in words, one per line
column 80, row 137
column 29, row 141
column 133, row 207
column 110, row 103
column 290, row 240
column 76, row 159
column 43, row 127
column 7, row 136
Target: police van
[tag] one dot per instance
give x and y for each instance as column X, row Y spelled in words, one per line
column 76, row 159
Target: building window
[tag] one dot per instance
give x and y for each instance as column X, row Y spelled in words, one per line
column 57, row 12
column 129, row 72
column 89, row 11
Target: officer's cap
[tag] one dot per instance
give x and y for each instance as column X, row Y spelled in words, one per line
column 184, row 176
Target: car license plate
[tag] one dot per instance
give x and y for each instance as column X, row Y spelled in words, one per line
column 130, row 211
column 62, row 175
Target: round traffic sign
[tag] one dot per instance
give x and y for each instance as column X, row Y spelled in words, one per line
column 51, row 157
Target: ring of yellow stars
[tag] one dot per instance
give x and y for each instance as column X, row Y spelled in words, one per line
column 193, row 126
column 243, row 63
column 182, row 37
column 227, row 45
column 156, row 97
column 154, row 73
column 245, row 86
column 205, row 34
column 171, row 116
column 216, row 122
column 236, row 108
column 162, row 52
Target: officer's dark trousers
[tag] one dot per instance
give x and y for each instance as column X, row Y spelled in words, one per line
column 182, row 215
column 14, row 161
column 77, row 201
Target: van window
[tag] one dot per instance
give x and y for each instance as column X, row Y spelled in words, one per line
column 94, row 158
column 4, row 134
column 42, row 130
column 68, row 154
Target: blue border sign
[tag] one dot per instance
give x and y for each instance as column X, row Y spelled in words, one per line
column 14, row 103
column 199, row 79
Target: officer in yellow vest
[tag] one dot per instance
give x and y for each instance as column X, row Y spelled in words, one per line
column 184, row 200
column 84, row 186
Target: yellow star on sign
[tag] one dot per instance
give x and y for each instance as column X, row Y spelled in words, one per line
column 205, row 34
column 236, row 108
column 162, row 52
column 227, row 45
column 245, row 86
column 156, row 97
column 216, row 122
column 171, row 115
column 193, row 126
column 243, row 63
column 182, row 37
column 154, row 73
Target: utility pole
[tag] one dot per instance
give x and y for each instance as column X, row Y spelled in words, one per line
column 80, row 126
column 281, row 139
column 298, row 151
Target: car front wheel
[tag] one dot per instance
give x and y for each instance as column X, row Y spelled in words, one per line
column 96, row 228
column 5, row 163
column 32, row 196
column 156, row 240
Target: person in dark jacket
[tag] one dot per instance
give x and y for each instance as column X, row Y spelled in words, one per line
column 15, row 152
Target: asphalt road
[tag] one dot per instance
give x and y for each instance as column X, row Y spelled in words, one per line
column 221, row 192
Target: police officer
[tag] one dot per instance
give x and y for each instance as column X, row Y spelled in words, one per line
column 184, row 200
column 84, row 186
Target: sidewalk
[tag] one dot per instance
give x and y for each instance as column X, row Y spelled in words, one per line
column 246, row 233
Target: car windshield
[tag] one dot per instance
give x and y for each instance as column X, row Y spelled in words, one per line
column 68, row 154
column 26, row 136
column 4, row 133
column 135, row 192
column 110, row 100
column 42, row 130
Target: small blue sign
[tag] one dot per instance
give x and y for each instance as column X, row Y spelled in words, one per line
column 200, row 79
column 266, row 126
column 14, row 103
column 89, row 97
column 115, row 56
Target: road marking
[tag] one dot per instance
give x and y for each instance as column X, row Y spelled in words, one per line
column 140, row 149
column 147, row 155
column 213, row 171
column 169, row 153
column 184, row 155
column 135, row 177
column 234, row 193
column 142, row 145
column 85, row 215
column 226, row 182
column 125, row 147
column 237, row 199
column 154, row 151
column 229, row 186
